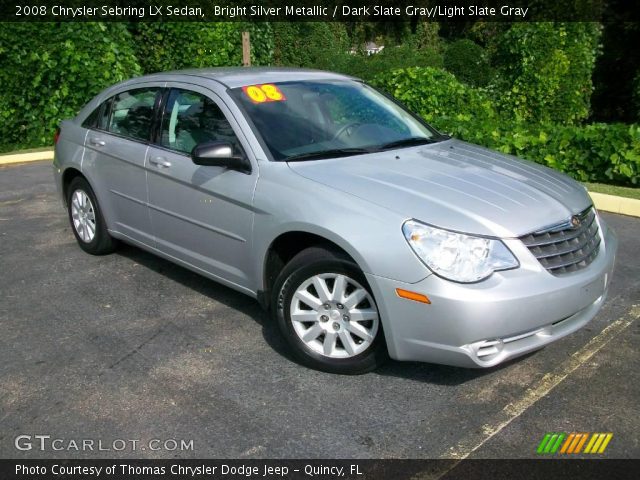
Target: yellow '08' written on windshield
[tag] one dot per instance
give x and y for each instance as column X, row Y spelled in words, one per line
column 264, row 93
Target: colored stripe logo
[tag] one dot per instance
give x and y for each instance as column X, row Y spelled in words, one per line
column 574, row 443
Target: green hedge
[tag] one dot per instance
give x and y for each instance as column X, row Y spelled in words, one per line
column 437, row 95
column 50, row 70
column 308, row 44
column 368, row 67
column 545, row 68
column 327, row 46
column 597, row 153
column 635, row 95
column 164, row 46
column 469, row 62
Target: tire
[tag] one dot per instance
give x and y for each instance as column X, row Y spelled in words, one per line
column 87, row 222
column 328, row 339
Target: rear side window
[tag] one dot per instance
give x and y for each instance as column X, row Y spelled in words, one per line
column 99, row 118
column 91, row 120
column 132, row 113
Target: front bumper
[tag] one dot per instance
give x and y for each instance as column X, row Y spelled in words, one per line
column 509, row 314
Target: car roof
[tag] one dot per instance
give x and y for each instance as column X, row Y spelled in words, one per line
column 233, row 77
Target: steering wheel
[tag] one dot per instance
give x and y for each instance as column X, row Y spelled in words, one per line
column 348, row 129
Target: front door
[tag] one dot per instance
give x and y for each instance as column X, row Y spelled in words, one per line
column 201, row 215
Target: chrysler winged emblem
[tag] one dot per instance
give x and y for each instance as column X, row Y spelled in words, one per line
column 575, row 221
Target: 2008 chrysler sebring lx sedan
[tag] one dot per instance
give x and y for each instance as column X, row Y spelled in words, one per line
column 363, row 230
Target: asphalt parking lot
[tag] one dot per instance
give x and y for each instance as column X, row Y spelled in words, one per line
column 129, row 346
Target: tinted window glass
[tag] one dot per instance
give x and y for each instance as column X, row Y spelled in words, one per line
column 103, row 115
column 99, row 118
column 308, row 118
column 132, row 113
column 91, row 120
column 191, row 118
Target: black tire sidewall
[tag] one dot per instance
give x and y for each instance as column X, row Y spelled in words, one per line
column 304, row 266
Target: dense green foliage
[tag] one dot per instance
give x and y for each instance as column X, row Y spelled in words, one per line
column 308, row 44
column 636, row 96
column 469, row 62
column 201, row 44
column 50, row 70
column 522, row 88
column 367, row 67
column 544, row 70
column 598, row 152
column 616, row 71
column 327, row 46
column 436, row 95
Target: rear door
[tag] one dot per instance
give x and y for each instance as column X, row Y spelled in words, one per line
column 202, row 215
column 115, row 152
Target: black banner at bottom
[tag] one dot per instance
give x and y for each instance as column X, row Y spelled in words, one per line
column 319, row 469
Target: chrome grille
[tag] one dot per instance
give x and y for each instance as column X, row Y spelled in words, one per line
column 566, row 248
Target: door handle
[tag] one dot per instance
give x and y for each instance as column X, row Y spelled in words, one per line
column 160, row 162
column 97, row 142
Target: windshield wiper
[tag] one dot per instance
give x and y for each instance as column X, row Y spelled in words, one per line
column 407, row 142
column 334, row 153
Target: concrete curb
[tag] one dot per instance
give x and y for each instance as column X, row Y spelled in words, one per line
column 614, row 204
column 604, row 202
column 26, row 157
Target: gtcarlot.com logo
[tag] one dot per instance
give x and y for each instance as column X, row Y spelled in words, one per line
column 45, row 443
column 574, row 443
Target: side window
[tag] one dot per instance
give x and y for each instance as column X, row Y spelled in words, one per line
column 132, row 113
column 99, row 117
column 103, row 115
column 91, row 120
column 191, row 118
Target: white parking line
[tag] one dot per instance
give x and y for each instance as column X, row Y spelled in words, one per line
column 542, row 388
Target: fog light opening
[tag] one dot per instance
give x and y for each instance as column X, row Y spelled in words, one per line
column 487, row 349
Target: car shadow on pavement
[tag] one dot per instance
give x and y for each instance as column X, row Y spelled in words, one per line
column 212, row 290
column 416, row 371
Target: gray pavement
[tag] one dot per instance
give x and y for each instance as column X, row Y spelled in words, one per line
column 131, row 347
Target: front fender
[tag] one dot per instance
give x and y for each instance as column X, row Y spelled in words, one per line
column 370, row 234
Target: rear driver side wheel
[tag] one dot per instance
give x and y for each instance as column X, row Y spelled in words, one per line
column 86, row 219
column 327, row 313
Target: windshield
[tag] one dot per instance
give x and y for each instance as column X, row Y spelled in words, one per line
column 307, row 120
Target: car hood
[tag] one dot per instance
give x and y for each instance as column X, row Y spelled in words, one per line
column 456, row 185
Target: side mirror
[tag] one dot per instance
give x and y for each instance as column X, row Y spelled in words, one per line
column 218, row 154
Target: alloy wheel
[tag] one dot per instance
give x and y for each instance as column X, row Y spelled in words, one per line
column 83, row 216
column 334, row 315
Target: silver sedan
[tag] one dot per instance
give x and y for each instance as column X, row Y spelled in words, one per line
column 364, row 231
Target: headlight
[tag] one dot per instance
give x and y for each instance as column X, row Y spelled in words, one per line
column 456, row 256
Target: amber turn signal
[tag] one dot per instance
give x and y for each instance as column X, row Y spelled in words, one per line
column 418, row 297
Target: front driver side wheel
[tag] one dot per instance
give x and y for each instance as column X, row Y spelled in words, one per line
column 325, row 309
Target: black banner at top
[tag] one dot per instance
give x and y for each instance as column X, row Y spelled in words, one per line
column 317, row 10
